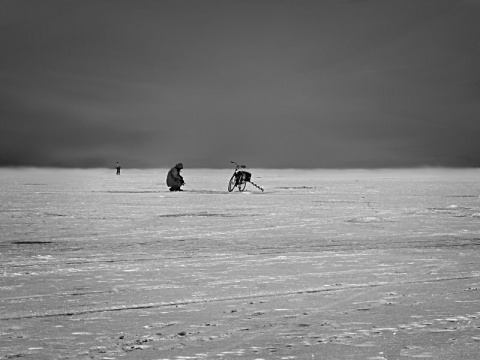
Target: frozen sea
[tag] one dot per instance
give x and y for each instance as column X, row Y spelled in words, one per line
column 377, row 264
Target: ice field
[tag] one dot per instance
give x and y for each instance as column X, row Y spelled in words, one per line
column 346, row 264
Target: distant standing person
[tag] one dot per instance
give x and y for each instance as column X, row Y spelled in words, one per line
column 118, row 167
column 174, row 179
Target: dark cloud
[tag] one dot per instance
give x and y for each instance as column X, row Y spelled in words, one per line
column 379, row 83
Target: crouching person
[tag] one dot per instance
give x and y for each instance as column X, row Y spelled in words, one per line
column 174, row 179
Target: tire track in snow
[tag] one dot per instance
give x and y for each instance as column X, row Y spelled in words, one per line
column 231, row 298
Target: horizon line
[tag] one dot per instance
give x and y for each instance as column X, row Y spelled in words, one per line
column 423, row 167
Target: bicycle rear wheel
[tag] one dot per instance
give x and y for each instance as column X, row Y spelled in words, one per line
column 242, row 185
column 232, row 183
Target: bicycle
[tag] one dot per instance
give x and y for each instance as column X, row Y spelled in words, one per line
column 240, row 178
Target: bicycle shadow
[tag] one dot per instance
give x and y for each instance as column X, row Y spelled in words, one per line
column 219, row 192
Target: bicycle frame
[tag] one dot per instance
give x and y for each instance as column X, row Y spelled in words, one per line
column 240, row 178
column 237, row 179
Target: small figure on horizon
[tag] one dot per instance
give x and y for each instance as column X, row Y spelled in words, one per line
column 174, row 179
column 118, row 167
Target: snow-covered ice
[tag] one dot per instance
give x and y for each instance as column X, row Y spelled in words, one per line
column 322, row 264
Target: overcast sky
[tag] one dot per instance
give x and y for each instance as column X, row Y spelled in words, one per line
column 269, row 83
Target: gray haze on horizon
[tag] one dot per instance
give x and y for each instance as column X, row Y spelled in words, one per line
column 269, row 83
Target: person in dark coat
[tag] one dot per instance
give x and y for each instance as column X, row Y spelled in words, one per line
column 174, row 179
column 118, row 167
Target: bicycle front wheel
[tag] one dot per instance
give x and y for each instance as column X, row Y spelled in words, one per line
column 232, row 183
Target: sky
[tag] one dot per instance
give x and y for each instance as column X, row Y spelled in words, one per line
column 268, row 83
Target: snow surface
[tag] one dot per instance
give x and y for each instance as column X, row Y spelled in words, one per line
column 357, row 264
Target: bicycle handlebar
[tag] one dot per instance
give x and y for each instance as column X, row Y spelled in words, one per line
column 238, row 166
